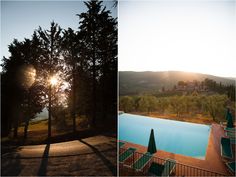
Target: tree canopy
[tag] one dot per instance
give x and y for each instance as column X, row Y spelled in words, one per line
column 84, row 63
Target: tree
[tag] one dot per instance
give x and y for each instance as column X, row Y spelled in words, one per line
column 215, row 105
column 99, row 49
column 88, row 29
column 143, row 104
column 11, row 90
column 32, row 105
column 21, row 100
column 33, row 90
column 177, row 104
column 162, row 104
column 70, row 45
column 152, row 103
column 115, row 3
column 189, row 103
column 126, row 104
column 181, row 83
column 231, row 92
column 136, row 102
column 51, row 61
column 107, row 45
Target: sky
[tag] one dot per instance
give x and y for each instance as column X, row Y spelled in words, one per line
column 193, row 36
column 19, row 19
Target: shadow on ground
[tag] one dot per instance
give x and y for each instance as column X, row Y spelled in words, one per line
column 95, row 155
column 10, row 162
column 44, row 162
column 107, row 162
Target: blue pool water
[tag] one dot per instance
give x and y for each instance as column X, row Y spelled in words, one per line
column 172, row 136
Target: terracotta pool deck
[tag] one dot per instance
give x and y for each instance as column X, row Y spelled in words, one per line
column 213, row 160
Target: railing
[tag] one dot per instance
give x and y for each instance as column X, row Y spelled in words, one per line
column 126, row 168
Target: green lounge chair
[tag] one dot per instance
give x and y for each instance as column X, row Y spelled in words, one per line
column 169, row 166
column 232, row 140
column 162, row 170
column 223, row 124
column 231, row 166
column 121, row 144
column 125, row 155
column 155, row 169
column 230, row 129
column 226, row 150
column 142, row 161
column 230, row 134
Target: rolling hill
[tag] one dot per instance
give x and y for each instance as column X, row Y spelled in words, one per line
column 131, row 82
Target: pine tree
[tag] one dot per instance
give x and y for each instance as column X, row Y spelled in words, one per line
column 70, row 45
column 51, row 61
column 99, row 46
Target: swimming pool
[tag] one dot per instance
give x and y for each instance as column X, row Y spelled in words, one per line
column 177, row 137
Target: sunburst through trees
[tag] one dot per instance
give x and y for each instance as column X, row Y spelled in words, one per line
column 71, row 73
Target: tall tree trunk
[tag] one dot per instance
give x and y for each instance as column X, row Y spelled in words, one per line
column 49, row 111
column 15, row 130
column 94, row 95
column 16, row 123
column 94, row 82
column 28, row 116
column 104, row 89
column 50, row 91
column 73, row 98
column 26, row 129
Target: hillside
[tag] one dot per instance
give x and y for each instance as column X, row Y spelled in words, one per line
column 139, row 82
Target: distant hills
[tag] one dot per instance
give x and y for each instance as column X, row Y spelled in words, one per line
column 41, row 116
column 131, row 82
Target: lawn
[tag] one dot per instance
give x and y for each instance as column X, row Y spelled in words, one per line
column 61, row 131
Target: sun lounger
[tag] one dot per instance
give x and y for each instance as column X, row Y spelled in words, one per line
column 121, row 144
column 169, row 166
column 232, row 140
column 230, row 129
column 223, row 124
column 226, row 150
column 142, row 161
column 162, row 170
column 125, row 155
column 231, row 166
column 230, row 134
column 155, row 169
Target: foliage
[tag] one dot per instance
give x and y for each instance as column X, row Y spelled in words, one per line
column 214, row 105
column 22, row 93
column 162, row 104
column 177, row 104
column 99, row 49
column 85, row 62
column 126, row 104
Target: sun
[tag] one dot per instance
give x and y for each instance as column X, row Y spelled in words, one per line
column 53, row 80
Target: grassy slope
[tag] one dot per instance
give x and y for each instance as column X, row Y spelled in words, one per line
column 38, row 132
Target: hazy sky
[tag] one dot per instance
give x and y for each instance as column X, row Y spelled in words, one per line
column 20, row 18
column 196, row 36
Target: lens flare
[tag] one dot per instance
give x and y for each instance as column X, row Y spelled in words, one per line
column 26, row 76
